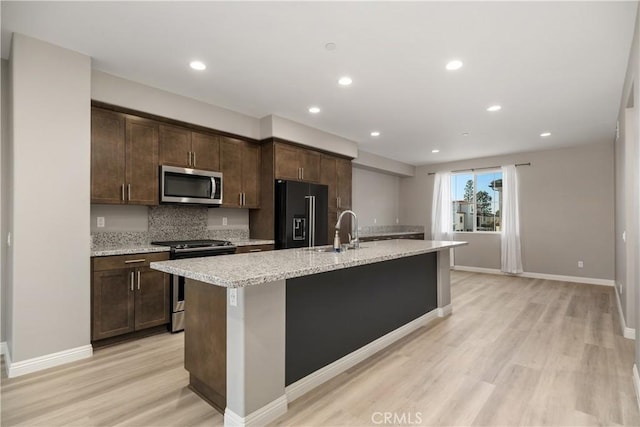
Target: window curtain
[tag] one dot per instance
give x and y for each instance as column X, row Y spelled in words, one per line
column 441, row 210
column 510, row 235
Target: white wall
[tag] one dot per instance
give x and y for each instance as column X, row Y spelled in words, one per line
column 126, row 93
column 49, row 254
column 566, row 205
column 366, row 160
column 376, row 197
column 4, row 193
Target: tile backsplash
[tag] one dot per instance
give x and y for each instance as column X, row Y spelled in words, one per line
column 174, row 222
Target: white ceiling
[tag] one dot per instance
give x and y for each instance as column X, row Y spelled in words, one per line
column 555, row 67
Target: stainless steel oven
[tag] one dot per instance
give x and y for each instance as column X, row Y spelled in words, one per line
column 181, row 249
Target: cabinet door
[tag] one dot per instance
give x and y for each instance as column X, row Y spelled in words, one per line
column 107, row 156
column 206, row 151
column 310, row 164
column 231, row 168
column 344, row 183
column 251, row 175
column 329, row 177
column 112, row 303
column 287, row 162
column 152, row 298
column 142, row 161
column 174, row 146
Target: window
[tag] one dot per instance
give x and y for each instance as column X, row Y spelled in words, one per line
column 477, row 201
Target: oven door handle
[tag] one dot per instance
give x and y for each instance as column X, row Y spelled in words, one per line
column 208, row 248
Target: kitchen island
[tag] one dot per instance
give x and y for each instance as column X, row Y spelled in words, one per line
column 263, row 329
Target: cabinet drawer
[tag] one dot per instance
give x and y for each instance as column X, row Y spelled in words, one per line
column 125, row 261
column 253, row 248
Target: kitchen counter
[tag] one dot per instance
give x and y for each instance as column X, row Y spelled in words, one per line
column 127, row 249
column 263, row 267
column 396, row 233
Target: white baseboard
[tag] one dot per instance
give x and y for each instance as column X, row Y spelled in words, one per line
column 260, row 417
column 445, row 311
column 626, row 331
column 558, row 277
column 322, row 375
column 15, row 369
column 636, row 383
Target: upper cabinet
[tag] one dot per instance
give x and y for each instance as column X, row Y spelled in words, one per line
column 124, row 159
column 240, row 167
column 183, row 147
column 296, row 163
column 336, row 174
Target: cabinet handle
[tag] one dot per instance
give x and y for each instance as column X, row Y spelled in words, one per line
column 338, row 201
column 299, row 174
column 138, row 279
column 240, row 199
column 129, row 192
column 255, row 250
column 122, row 188
column 132, row 281
column 193, row 153
column 302, row 169
column 244, row 199
column 132, row 261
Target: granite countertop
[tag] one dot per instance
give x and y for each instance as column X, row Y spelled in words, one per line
column 391, row 233
column 262, row 267
column 127, row 249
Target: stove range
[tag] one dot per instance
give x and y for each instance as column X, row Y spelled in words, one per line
column 197, row 248
column 181, row 249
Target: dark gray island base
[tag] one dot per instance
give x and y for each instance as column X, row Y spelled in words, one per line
column 264, row 329
column 330, row 315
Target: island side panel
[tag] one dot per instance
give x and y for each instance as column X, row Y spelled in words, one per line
column 205, row 341
column 256, row 351
column 444, row 280
column 332, row 314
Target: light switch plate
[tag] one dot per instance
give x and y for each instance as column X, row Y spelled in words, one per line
column 233, row 297
column 224, row 220
column 100, row 222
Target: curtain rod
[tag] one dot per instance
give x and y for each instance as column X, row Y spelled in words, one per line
column 478, row 169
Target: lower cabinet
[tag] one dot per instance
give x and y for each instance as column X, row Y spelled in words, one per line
column 128, row 296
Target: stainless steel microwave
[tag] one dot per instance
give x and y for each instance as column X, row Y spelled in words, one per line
column 184, row 185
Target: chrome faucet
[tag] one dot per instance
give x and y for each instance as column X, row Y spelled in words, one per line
column 355, row 241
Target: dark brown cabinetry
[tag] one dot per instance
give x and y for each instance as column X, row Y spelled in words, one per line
column 336, row 175
column 412, row 236
column 127, row 296
column 124, row 159
column 182, row 147
column 296, row 163
column 240, row 167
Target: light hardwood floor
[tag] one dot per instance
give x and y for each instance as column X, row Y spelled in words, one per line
column 515, row 352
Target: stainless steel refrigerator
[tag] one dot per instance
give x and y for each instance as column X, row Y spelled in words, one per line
column 301, row 214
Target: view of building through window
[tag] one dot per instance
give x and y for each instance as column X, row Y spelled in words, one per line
column 477, row 201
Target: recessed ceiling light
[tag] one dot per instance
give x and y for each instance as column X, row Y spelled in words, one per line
column 494, row 108
column 545, row 134
column 435, row 151
column 345, row 81
column 465, row 134
column 330, row 46
column 375, row 133
column 314, row 110
column 454, row 65
column 197, row 65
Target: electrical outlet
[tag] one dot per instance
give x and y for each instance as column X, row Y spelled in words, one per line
column 397, row 220
column 9, row 239
column 375, row 221
column 224, row 220
column 100, row 222
column 580, row 264
column 624, row 236
column 233, row 297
